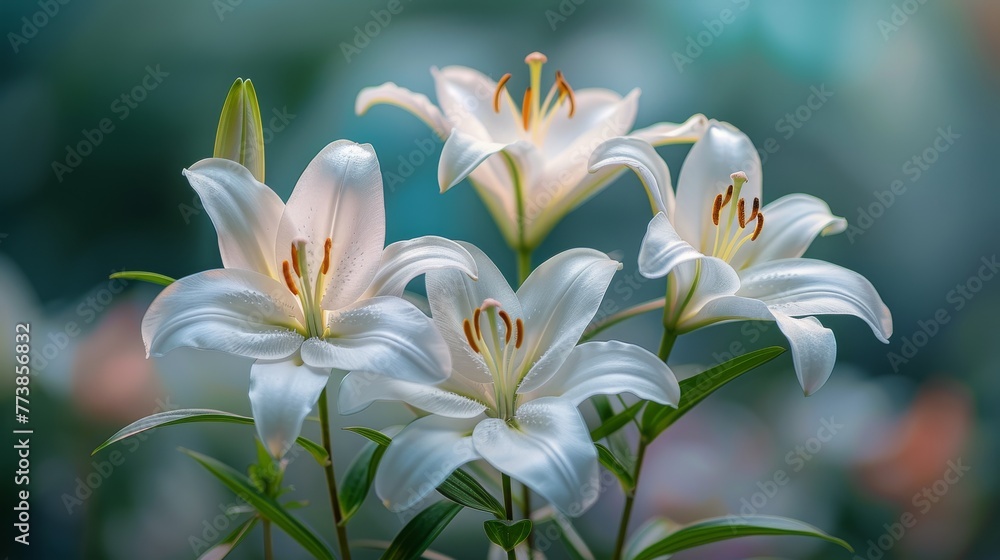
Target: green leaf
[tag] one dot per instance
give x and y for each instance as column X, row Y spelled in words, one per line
column 616, row 441
column 462, row 488
column 507, row 534
column 648, row 534
column 610, row 462
column 240, row 136
column 152, row 277
column 730, row 527
column 659, row 417
column 188, row 415
column 229, row 544
column 414, row 538
column 616, row 422
column 358, row 480
column 374, row 435
column 459, row 487
column 264, row 504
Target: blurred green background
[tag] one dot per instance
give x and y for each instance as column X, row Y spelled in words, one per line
column 912, row 89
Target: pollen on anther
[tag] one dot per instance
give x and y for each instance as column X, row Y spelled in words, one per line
column 760, row 226
column 729, row 195
column 566, row 89
column 325, row 267
column 499, row 90
column 288, row 278
column 716, row 208
column 526, row 109
column 507, row 323
column 754, row 209
column 468, row 336
column 741, row 212
column 295, row 260
column 519, row 338
column 475, row 320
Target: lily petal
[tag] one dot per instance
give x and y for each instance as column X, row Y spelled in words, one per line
column 230, row 310
column 813, row 346
column 421, row 457
column 798, row 287
column 338, row 196
column 405, row 260
column 662, row 249
column 463, row 153
column 281, row 395
column 661, row 134
column 793, row 222
column 466, row 98
column 721, row 151
column 386, row 335
column 415, row 103
column 245, row 213
column 547, row 448
column 559, row 299
column 611, row 368
column 359, row 390
column 639, row 156
column 600, row 114
column 454, row 297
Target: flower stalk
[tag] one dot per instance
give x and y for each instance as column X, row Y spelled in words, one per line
column 331, row 479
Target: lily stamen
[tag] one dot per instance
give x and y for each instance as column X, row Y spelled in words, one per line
column 295, row 261
column 567, row 91
column 325, row 267
column 727, row 241
column 496, row 94
column 289, row 281
column 467, row 327
column 525, row 113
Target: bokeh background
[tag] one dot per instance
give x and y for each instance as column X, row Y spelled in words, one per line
column 913, row 89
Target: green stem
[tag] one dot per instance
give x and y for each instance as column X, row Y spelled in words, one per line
column 613, row 319
column 526, row 509
column 268, row 549
column 508, row 507
column 630, row 500
column 331, row 478
column 666, row 345
column 523, row 265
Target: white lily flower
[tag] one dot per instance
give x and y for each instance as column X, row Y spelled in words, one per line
column 517, row 378
column 725, row 262
column 306, row 286
column 527, row 161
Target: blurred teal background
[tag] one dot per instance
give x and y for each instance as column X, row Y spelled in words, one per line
column 912, row 101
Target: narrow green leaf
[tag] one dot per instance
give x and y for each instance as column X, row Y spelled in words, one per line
column 266, row 505
column 188, row 415
column 616, row 422
column 229, row 544
column 717, row 529
column 658, row 417
column 462, row 488
column 610, row 462
column 616, row 441
column 507, row 534
column 358, row 480
column 459, row 487
column 240, row 136
column 373, row 435
column 417, row 535
column 648, row 534
column 152, row 277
